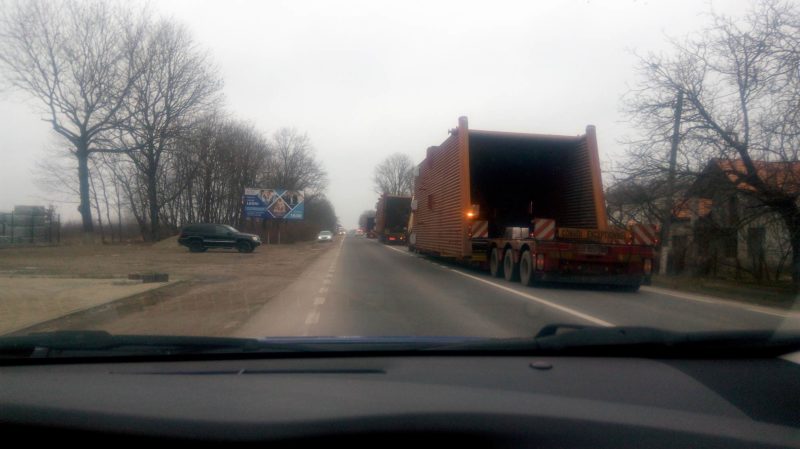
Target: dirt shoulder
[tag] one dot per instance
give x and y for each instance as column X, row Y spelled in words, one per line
column 219, row 289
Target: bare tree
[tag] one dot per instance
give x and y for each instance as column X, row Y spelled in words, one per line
column 395, row 175
column 293, row 165
column 72, row 57
column 178, row 86
column 740, row 83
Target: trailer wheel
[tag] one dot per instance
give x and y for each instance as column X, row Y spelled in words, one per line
column 495, row 264
column 510, row 269
column 526, row 268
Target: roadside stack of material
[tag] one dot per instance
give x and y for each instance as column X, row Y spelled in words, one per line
column 524, row 205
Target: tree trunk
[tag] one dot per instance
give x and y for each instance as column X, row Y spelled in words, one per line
column 791, row 217
column 85, row 207
column 796, row 260
column 152, row 199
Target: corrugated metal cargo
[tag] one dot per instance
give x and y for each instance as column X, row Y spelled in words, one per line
column 379, row 222
column 517, row 177
column 441, row 191
column 506, row 179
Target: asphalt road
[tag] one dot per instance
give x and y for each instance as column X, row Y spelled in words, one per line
column 369, row 289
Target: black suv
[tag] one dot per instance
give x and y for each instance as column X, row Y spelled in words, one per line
column 199, row 237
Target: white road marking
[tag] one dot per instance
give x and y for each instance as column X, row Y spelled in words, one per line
column 323, row 291
column 545, row 302
column 326, row 281
column 329, row 276
column 312, row 318
column 405, row 253
column 319, row 300
column 721, row 302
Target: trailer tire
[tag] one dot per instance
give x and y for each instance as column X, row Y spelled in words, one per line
column 510, row 269
column 526, row 269
column 495, row 264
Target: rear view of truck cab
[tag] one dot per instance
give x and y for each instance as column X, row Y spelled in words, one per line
column 528, row 207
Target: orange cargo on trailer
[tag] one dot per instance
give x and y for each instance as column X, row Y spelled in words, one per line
column 527, row 206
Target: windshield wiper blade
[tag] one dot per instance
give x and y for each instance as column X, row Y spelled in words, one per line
column 70, row 344
column 90, row 343
column 639, row 341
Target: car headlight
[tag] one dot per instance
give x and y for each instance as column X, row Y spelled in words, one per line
column 255, row 237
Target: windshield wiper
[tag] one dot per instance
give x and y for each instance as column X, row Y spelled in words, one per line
column 639, row 341
column 88, row 344
column 554, row 339
column 96, row 343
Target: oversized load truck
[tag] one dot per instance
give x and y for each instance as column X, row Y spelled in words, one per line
column 370, row 228
column 527, row 207
column 391, row 218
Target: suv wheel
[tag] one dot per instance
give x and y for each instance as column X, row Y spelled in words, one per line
column 196, row 246
column 244, row 247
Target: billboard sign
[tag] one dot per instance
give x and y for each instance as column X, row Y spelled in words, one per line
column 274, row 203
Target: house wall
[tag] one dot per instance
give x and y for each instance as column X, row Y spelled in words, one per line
column 738, row 239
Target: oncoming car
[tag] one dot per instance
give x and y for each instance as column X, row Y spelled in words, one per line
column 202, row 236
column 325, row 236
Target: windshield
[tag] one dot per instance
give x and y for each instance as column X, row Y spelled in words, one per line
column 458, row 170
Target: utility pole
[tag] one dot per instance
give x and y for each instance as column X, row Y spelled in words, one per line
column 673, row 156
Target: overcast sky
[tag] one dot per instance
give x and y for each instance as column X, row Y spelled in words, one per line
column 367, row 79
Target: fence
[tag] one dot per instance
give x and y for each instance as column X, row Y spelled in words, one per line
column 29, row 225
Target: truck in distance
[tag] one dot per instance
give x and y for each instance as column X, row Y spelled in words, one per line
column 391, row 218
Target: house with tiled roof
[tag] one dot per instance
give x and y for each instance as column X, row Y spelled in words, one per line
column 722, row 228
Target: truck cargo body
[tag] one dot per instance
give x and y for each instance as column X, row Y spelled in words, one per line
column 391, row 218
column 485, row 196
column 370, row 229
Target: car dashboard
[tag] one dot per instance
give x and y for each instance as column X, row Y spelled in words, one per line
column 364, row 401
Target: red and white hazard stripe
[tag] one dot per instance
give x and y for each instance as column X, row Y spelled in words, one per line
column 644, row 234
column 544, row 229
column 479, row 229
